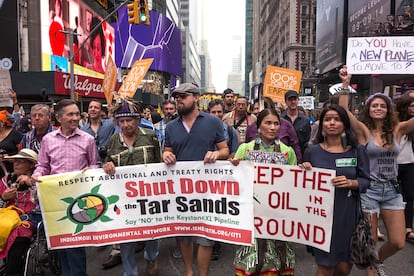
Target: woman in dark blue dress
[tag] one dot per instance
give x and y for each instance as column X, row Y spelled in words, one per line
column 338, row 149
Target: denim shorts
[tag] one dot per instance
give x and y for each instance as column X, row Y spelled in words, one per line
column 381, row 196
column 199, row 240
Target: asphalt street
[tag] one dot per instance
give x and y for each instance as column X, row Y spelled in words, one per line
column 401, row 264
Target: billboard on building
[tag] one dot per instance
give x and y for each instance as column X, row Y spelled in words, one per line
column 9, row 50
column 160, row 40
column 402, row 7
column 57, row 17
column 365, row 17
column 329, row 34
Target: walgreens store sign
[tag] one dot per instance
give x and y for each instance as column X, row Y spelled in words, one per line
column 85, row 86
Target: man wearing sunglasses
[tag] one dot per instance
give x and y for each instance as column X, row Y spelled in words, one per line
column 194, row 136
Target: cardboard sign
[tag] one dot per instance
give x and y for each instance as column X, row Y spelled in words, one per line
column 307, row 102
column 338, row 88
column 380, row 55
column 5, row 87
column 293, row 204
column 279, row 80
column 109, row 81
column 133, row 79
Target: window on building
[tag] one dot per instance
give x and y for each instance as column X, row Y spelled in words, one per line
column 304, row 24
column 304, row 10
column 303, row 39
column 303, row 55
column 303, row 68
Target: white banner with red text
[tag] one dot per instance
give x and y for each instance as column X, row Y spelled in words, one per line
column 292, row 204
column 215, row 201
column 150, row 201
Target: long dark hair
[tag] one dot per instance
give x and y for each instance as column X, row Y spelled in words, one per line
column 264, row 113
column 389, row 121
column 402, row 106
column 349, row 139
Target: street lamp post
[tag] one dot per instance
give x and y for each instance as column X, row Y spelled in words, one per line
column 72, row 54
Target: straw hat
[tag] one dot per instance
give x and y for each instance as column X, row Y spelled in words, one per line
column 27, row 154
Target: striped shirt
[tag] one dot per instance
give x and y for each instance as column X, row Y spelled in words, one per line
column 60, row 154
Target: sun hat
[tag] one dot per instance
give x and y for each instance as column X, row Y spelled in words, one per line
column 26, row 154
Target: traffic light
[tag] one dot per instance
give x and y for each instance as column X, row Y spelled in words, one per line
column 144, row 16
column 133, row 13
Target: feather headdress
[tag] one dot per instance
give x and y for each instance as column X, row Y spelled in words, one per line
column 126, row 107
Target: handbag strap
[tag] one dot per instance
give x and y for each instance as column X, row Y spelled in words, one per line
column 24, row 218
column 18, row 210
column 359, row 211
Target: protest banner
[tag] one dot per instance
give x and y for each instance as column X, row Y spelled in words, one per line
column 278, row 80
column 109, row 81
column 333, row 89
column 133, row 79
column 307, row 102
column 380, row 55
column 5, row 87
column 149, row 201
column 293, row 204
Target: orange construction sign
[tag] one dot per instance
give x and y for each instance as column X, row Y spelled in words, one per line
column 134, row 77
column 278, row 80
column 109, row 81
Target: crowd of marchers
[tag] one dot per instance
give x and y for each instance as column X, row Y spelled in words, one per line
column 374, row 145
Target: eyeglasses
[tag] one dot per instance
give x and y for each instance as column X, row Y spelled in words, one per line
column 181, row 95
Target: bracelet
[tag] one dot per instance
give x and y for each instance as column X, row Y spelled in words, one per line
column 16, row 103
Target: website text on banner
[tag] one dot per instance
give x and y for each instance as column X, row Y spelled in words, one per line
column 294, row 205
column 380, row 55
column 147, row 202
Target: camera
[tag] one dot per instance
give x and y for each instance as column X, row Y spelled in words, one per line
column 102, row 151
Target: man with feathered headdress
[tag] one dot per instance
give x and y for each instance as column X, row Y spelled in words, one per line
column 133, row 145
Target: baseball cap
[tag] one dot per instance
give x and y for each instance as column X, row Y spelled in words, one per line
column 291, row 93
column 228, row 91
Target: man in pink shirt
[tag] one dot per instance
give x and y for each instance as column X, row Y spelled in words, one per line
column 65, row 150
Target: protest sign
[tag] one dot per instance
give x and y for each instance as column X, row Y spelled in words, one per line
column 109, row 81
column 149, row 201
column 5, row 88
column 333, row 89
column 307, row 102
column 380, row 55
column 133, row 79
column 278, row 80
column 293, row 204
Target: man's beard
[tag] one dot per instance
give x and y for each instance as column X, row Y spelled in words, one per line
column 183, row 110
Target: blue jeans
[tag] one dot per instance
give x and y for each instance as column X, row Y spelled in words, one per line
column 381, row 196
column 73, row 261
column 128, row 255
